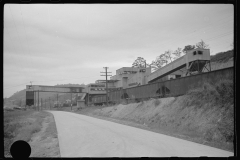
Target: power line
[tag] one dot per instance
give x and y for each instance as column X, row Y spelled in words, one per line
column 47, row 81
column 10, row 39
column 196, row 31
column 214, row 22
column 228, row 40
column 172, row 41
column 16, row 28
column 212, row 38
column 24, row 28
column 16, row 86
column 66, row 79
column 219, row 36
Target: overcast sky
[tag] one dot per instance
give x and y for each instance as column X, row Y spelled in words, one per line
column 71, row 43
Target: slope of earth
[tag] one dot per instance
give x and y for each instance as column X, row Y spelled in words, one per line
column 222, row 64
column 36, row 128
column 222, row 60
column 45, row 142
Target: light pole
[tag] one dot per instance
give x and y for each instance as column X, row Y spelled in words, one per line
column 88, row 96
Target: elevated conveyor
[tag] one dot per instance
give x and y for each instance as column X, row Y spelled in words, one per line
column 194, row 60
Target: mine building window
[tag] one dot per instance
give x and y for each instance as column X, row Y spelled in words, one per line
column 194, row 53
column 200, row 52
column 178, row 76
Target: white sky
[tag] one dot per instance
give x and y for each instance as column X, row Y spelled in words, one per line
column 71, row 43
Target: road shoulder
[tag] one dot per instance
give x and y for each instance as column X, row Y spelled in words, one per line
column 45, row 142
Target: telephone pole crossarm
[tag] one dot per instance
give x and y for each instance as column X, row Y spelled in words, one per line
column 106, row 74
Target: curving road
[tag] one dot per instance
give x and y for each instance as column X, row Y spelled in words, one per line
column 83, row 136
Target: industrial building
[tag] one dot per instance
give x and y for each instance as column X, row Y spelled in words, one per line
column 193, row 62
column 127, row 77
column 96, row 89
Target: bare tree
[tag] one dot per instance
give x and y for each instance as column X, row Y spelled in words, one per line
column 155, row 65
column 159, row 62
column 177, row 53
column 140, row 62
column 202, row 45
column 188, row 48
column 168, row 56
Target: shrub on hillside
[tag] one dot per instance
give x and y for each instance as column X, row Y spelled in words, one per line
column 157, row 102
column 225, row 90
column 222, row 56
column 219, row 93
column 137, row 100
column 201, row 95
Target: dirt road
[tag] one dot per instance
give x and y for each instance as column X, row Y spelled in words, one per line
column 83, row 136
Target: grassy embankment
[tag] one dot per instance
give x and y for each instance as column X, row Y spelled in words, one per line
column 21, row 125
column 222, row 60
column 204, row 115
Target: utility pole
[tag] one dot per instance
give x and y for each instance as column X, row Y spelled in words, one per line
column 41, row 104
column 35, row 99
column 71, row 101
column 88, row 95
column 38, row 100
column 106, row 74
column 49, row 103
column 33, row 96
column 57, row 100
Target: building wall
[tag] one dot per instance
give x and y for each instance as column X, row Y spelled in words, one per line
column 98, row 88
column 174, row 87
column 190, row 56
column 131, row 77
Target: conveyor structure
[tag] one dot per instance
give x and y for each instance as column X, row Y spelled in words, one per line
column 194, row 61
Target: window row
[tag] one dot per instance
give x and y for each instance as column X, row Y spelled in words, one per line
column 101, row 89
column 199, row 52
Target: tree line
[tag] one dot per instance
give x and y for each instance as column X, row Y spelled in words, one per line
column 168, row 56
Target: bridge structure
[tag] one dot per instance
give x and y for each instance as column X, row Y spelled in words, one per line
column 32, row 92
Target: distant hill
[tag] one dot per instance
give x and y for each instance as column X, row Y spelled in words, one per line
column 20, row 96
column 222, row 60
column 222, row 56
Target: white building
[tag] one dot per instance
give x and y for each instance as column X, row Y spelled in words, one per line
column 127, row 77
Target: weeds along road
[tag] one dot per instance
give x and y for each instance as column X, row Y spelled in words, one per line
column 83, row 136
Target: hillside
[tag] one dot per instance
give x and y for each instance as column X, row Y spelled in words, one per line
column 222, row 56
column 222, row 60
